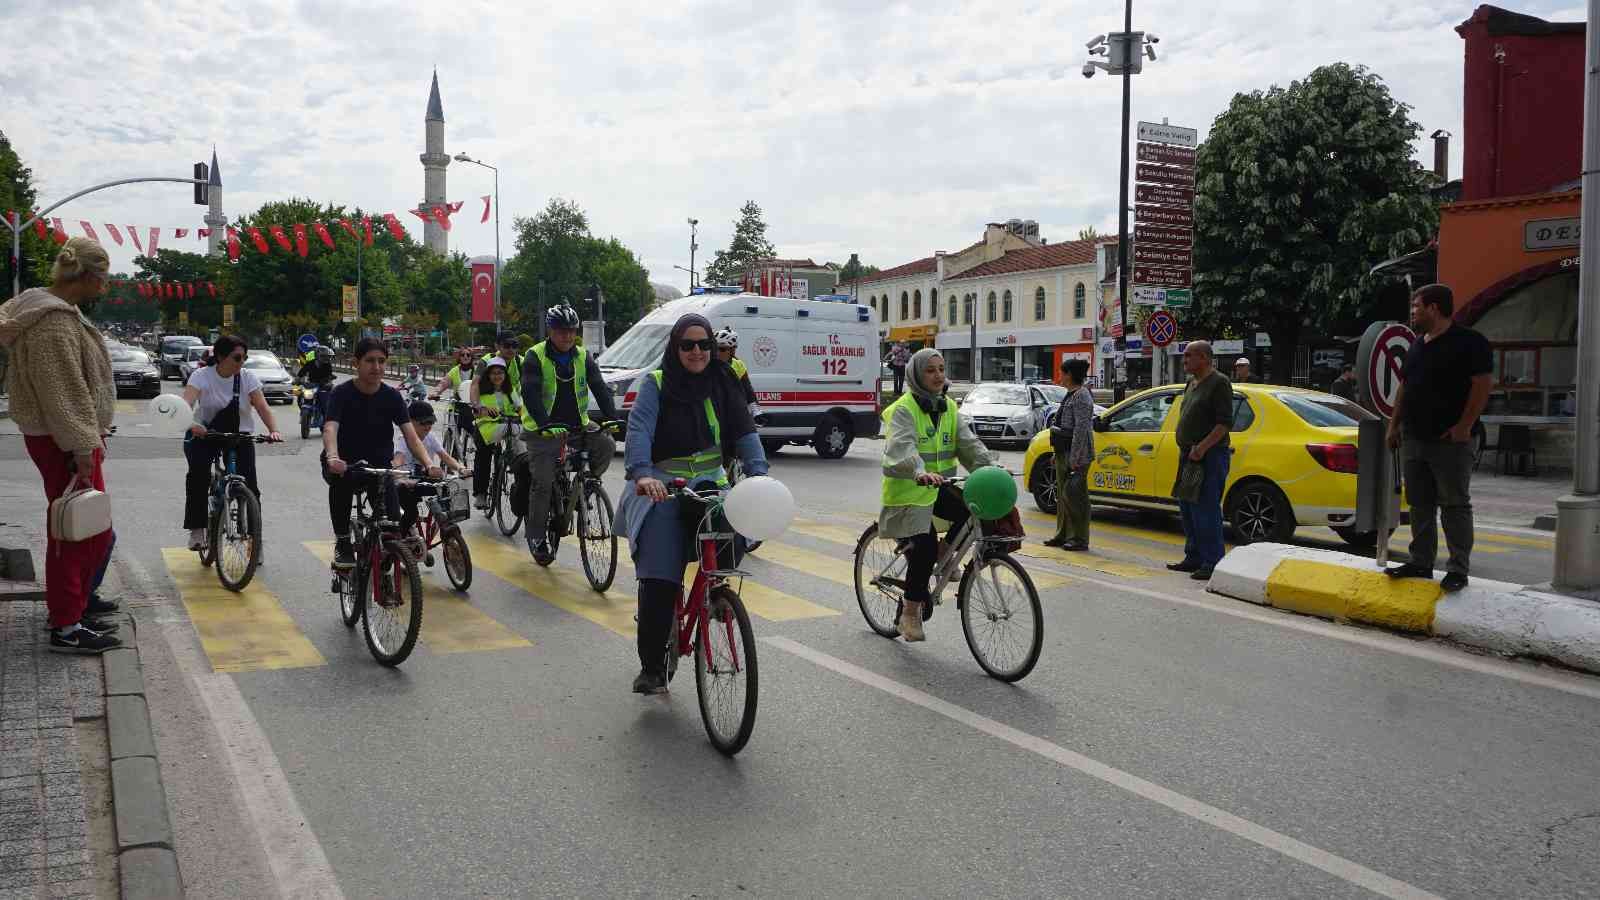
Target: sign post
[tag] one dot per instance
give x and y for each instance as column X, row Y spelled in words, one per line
column 1163, row 238
column 1378, row 361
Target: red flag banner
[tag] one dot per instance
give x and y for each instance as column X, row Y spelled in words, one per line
column 88, row 230
column 133, row 235
column 421, row 214
column 345, row 224
column 60, row 231
column 258, row 240
column 201, row 233
column 483, row 292
column 300, row 245
column 281, row 237
column 485, row 217
column 41, row 229
column 322, row 232
column 233, row 245
column 154, row 239
column 396, row 230
column 115, row 234
column 211, row 288
column 191, row 290
column 441, row 214
column 366, row 223
column 180, row 234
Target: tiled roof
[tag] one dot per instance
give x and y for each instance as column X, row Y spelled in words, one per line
column 919, row 267
column 1050, row 256
column 791, row 263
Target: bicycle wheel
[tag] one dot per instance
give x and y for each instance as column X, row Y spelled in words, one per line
column 880, row 573
column 1000, row 616
column 457, row 559
column 467, row 449
column 392, row 620
column 725, row 675
column 504, row 510
column 236, row 544
column 207, row 550
column 348, row 584
column 597, row 544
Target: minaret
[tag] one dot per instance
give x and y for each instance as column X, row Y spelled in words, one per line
column 434, row 161
column 217, row 243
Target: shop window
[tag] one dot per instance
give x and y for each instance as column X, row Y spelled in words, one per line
column 958, row 364
column 999, row 364
column 1545, row 311
column 905, row 304
column 1005, row 308
column 952, row 311
column 1078, row 301
column 872, row 301
column 933, row 304
column 1558, row 366
column 1038, row 304
column 916, row 305
column 1037, row 364
column 967, row 311
column 993, row 304
column 1517, row 367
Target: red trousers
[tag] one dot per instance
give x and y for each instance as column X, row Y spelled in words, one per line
column 70, row 567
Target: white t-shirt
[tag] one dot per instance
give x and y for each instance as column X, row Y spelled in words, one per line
column 431, row 442
column 217, row 392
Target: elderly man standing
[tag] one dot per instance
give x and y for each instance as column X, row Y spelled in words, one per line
column 1204, row 421
column 1241, row 370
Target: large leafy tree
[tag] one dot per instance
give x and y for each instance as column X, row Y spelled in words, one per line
column 748, row 246
column 181, row 267
column 855, row 269
column 18, row 195
column 1299, row 192
column 558, row 260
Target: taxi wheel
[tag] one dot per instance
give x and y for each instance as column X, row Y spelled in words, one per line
column 1258, row 511
column 1042, row 482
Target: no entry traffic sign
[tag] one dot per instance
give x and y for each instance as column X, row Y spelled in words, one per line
column 1378, row 363
column 1162, row 328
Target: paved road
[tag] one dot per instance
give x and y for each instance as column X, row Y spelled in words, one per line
column 1169, row 743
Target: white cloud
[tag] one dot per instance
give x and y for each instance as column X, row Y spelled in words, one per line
column 890, row 130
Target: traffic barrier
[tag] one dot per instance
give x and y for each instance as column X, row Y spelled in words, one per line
column 1497, row 616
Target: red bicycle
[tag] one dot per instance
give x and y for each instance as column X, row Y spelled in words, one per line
column 711, row 622
column 443, row 505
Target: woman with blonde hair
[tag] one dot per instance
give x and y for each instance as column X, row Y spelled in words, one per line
column 63, row 398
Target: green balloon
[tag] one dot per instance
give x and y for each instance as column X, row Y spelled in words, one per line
column 990, row 492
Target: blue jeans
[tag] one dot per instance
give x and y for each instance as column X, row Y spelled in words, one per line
column 1202, row 519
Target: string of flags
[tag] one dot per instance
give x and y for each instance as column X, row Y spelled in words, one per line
column 118, row 288
column 294, row 238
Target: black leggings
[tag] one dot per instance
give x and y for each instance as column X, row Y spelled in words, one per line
column 342, row 490
column 658, row 603
column 924, row 549
column 200, row 453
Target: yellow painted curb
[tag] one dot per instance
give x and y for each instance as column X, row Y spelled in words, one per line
column 1358, row 595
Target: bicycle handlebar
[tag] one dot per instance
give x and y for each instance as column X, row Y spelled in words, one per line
column 236, row 437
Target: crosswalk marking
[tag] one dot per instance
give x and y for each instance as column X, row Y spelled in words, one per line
column 768, row 603
column 1084, row 561
column 556, row 585
column 244, row 632
column 449, row 623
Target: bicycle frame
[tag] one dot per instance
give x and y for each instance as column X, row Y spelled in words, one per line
column 694, row 618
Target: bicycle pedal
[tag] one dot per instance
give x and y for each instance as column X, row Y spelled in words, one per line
column 427, row 560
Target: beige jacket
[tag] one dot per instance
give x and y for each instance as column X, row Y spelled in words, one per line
column 59, row 376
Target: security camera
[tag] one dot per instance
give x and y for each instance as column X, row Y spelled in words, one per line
column 1098, row 40
column 1151, row 39
column 1088, row 70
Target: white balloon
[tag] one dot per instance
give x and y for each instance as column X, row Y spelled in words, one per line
column 760, row 508
column 170, row 414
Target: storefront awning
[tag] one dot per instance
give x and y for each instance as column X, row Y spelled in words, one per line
column 914, row 333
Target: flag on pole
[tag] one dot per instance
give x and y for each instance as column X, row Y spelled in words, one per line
column 281, row 237
column 322, row 232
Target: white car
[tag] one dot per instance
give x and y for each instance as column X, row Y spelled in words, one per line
column 1009, row 412
column 276, row 382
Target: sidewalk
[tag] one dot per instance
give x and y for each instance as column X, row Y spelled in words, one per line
column 1518, row 500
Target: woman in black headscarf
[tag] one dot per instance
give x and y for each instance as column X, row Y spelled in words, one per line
column 685, row 415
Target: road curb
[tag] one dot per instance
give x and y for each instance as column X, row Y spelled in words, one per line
column 145, row 856
column 1491, row 615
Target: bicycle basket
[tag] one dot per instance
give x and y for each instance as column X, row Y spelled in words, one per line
column 454, row 499
column 1002, row 535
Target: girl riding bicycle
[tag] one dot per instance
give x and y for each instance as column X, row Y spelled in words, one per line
column 924, row 435
column 497, row 397
column 215, row 393
column 684, row 415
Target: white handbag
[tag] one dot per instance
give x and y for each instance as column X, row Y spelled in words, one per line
column 80, row 515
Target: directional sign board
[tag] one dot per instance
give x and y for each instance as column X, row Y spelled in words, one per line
column 1162, row 328
column 1161, row 277
column 1144, row 295
column 1162, row 235
column 1165, row 154
column 1170, row 216
column 1168, row 134
column 1164, row 195
column 1146, row 173
column 1381, row 355
column 1171, row 257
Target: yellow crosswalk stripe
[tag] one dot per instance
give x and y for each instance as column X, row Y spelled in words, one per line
column 768, row 603
column 449, row 623
column 559, row 586
column 1084, row 561
column 244, row 632
column 842, row 570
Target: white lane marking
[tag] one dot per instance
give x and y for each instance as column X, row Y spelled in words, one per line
column 1337, row 866
column 293, row 852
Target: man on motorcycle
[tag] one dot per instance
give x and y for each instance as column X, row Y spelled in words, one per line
column 412, row 386
column 317, row 372
column 558, row 376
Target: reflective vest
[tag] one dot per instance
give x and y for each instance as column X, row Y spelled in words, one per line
column 548, row 384
column 497, row 402
column 738, row 367
column 702, row 466
column 513, row 368
column 455, row 376
column 936, row 443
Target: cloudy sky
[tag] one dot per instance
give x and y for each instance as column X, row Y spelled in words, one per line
column 891, row 130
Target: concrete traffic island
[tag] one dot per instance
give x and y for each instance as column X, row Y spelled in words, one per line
column 1492, row 615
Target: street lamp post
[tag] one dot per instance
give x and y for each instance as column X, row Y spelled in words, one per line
column 692, row 275
column 462, row 157
column 692, row 248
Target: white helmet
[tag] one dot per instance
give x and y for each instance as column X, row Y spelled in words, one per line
column 727, row 339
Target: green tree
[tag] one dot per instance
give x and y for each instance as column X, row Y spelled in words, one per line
column 1088, row 234
column 1300, row 191
column 17, row 195
column 558, row 260
column 179, row 267
column 749, row 246
column 855, row 270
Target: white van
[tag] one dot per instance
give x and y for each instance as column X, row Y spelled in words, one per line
column 813, row 364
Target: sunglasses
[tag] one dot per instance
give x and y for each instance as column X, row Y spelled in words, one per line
column 236, row 357
column 706, row 344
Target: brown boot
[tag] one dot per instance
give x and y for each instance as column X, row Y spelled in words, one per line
column 911, row 621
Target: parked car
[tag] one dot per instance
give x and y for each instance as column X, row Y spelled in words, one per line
column 276, row 382
column 1009, row 412
column 170, row 353
column 134, row 371
column 191, row 361
column 1294, row 461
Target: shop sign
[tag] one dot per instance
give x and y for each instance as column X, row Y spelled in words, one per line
column 1086, row 334
column 1263, row 341
column 1006, row 340
column 1549, row 234
column 1228, row 345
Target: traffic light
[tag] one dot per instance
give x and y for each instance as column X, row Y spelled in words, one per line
column 202, row 186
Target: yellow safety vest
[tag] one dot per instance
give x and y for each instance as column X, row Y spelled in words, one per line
column 936, row 444
column 549, row 383
column 705, row 465
column 739, row 370
column 499, row 403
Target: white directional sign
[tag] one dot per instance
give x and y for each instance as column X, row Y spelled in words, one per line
column 1168, row 134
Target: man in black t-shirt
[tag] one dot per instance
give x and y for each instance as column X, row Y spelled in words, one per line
column 359, row 428
column 1444, row 386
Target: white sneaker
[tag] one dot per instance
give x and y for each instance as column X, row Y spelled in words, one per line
column 197, row 539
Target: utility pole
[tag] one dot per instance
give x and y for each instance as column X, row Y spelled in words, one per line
column 692, row 248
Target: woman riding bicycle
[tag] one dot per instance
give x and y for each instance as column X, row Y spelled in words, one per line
column 924, row 435
column 497, row 397
column 214, row 393
column 684, row 415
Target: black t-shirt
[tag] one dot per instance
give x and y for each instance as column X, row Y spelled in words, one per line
column 366, row 422
column 1438, row 376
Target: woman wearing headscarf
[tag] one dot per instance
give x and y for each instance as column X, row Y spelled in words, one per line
column 684, row 415
column 924, row 436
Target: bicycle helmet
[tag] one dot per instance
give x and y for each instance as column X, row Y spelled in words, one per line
column 413, row 369
column 563, row 316
column 727, row 339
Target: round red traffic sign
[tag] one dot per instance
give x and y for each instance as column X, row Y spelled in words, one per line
column 1384, row 362
column 1162, row 328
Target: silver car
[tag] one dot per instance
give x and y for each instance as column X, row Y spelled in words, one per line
column 277, row 385
column 1006, row 412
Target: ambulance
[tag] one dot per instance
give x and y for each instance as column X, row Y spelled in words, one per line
column 813, row 363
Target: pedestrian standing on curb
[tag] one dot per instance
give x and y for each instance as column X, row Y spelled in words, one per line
column 63, row 398
column 1444, row 385
column 1204, row 455
column 899, row 355
column 1072, row 440
column 1345, row 385
column 1241, row 370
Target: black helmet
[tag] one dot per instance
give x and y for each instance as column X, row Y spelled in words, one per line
column 562, row 316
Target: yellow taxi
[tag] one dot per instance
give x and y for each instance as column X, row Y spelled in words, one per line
column 1294, row 460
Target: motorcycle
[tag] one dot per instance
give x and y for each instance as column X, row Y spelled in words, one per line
column 309, row 398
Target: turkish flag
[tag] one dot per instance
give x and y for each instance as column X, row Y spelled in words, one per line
column 60, row 231
column 280, row 236
column 441, row 214
column 300, row 245
column 233, row 245
column 421, row 213
column 396, row 230
column 133, row 235
column 322, row 232
column 191, row 290
column 41, row 229
column 201, row 233
column 345, row 224
column 485, row 217
column 366, row 223
column 483, row 292
column 212, row 288
column 153, row 240
column 180, row 233
column 258, row 240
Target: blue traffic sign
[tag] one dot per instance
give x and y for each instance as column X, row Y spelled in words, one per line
column 306, row 342
column 1162, row 328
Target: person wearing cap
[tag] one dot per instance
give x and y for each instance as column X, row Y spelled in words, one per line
column 1241, row 370
column 506, row 349
column 422, row 419
column 497, row 400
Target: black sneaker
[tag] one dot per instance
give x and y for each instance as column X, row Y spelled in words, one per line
column 1452, row 582
column 1076, row 546
column 542, row 554
column 1200, row 575
column 1183, row 566
column 1410, row 570
column 99, row 607
column 83, row 641
column 344, row 555
column 648, row 682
